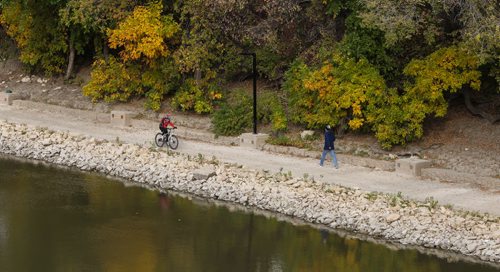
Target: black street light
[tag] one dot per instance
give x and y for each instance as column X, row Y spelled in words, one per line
column 254, row 68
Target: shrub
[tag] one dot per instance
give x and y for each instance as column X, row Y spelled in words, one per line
column 233, row 116
column 159, row 79
column 113, row 81
column 445, row 71
column 236, row 113
column 287, row 141
column 117, row 81
column 340, row 89
column 270, row 110
column 198, row 97
column 298, row 99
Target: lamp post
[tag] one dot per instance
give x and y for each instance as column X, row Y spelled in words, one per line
column 254, row 70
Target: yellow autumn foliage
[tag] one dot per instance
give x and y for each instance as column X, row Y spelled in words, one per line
column 447, row 70
column 145, row 67
column 339, row 89
column 142, row 34
column 353, row 90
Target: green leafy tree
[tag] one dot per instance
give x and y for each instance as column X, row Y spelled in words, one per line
column 204, row 57
column 362, row 42
column 299, row 99
column 277, row 30
column 403, row 20
column 473, row 22
column 35, row 28
column 87, row 21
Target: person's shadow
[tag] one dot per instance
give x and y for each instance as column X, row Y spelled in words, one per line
column 324, row 236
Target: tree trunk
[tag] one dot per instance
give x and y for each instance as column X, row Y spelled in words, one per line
column 105, row 51
column 492, row 118
column 71, row 59
column 342, row 127
column 197, row 75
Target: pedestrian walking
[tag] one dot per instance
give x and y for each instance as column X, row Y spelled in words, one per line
column 329, row 147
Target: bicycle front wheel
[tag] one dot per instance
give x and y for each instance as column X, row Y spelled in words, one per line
column 173, row 142
column 159, row 140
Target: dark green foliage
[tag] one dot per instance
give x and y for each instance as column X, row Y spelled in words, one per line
column 361, row 42
column 196, row 96
column 296, row 91
column 270, row 111
column 37, row 32
column 270, row 64
column 234, row 115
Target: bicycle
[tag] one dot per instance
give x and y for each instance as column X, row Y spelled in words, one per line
column 168, row 138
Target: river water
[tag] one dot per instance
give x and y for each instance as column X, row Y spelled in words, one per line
column 52, row 219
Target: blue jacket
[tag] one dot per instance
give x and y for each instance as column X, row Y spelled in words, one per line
column 329, row 140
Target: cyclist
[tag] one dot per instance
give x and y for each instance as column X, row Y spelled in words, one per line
column 167, row 136
column 165, row 123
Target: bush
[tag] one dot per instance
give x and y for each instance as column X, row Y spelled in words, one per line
column 198, row 97
column 117, row 81
column 159, row 79
column 298, row 99
column 270, row 110
column 113, row 81
column 401, row 118
column 287, row 141
column 340, row 89
column 234, row 115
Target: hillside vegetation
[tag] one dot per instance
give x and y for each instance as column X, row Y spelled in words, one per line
column 381, row 67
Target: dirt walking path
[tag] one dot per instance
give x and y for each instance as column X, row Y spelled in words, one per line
column 142, row 132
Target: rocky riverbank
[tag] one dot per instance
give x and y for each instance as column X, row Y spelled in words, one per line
column 390, row 217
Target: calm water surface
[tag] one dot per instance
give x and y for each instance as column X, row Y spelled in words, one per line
column 60, row 220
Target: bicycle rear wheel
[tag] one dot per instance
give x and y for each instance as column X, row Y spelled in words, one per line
column 173, row 142
column 159, row 140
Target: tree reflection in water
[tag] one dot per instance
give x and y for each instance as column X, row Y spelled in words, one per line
column 59, row 220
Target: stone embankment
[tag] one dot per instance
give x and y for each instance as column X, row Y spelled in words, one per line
column 390, row 217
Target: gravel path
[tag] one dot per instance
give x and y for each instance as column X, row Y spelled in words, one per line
column 93, row 124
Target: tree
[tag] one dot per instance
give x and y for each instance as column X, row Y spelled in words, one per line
column 339, row 92
column 432, row 79
column 277, row 30
column 35, row 28
column 145, row 66
column 88, row 20
column 142, row 35
column 439, row 23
